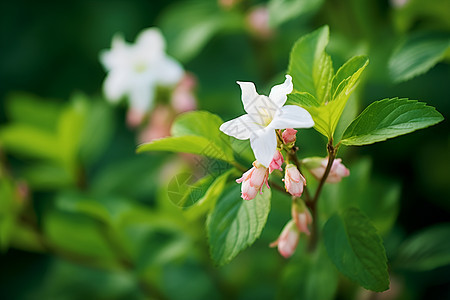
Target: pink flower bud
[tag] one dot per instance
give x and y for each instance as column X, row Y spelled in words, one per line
column 288, row 240
column 302, row 217
column 337, row 171
column 253, row 181
column 276, row 163
column 289, row 135
column 294, row 181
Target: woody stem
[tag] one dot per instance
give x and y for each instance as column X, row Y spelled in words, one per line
column 332, row 151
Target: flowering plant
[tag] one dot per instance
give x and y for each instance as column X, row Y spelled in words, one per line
column 312, row 95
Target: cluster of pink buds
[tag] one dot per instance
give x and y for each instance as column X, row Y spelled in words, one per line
column 253, row 181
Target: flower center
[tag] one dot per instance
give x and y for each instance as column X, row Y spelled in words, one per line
column 140, row 67
column 266, row 110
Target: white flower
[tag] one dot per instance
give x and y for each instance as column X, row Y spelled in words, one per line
column 264, row 115
column 135, row 70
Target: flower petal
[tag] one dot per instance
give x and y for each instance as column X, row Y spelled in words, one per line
column 292, row 116
column 118, row 56
column 141, row 97
column 264, row 146
column 150, row 45
column 249, row 95
column 169, row 71
column 116, row 85
column 241, row 128
column 278, row 94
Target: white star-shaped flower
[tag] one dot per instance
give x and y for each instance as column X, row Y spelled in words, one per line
column 264, row 116
column 135, row 70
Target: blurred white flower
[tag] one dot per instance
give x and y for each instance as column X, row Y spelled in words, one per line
column 135, row 70
column 264, row 115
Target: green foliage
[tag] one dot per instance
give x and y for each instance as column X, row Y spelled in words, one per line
column 234, row 224
column 306, row 64
column 209, row 198
column 311, row 277
column 389, row 118
column 417, row 54
column 57, row 137
column 316, row 87
column 356, row 249
column 281, row 11
column 195, row 132
column 425, row 250
column 376, row 198
column 189, row 26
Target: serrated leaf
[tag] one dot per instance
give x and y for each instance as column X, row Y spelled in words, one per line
column 315, row 87
column 307, row 64
column 426, row 250
column 389, row 118
column 347, row 76
column 356, row 249
column 419, row 53
column 195, row 132
column 235, row 224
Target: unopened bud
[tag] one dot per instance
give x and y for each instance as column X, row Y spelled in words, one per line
column 317, row 169
column 253, row 181
column 301, row 216
column 288, row 240
column 294, row 181
column 289, row 135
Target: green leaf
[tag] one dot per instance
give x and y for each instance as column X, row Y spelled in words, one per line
column 70, row 129
column 315, row 87
column 347, row 76
column 389, row 118
column 98, row 129
column 195, row 132
column 208, row 200
column 356, row 249
column 281, row 11
column 302, row 99
column 426, row 250
column 31, row 110
column 308, row 64
column 235, row 224
column 188, row 144
column 88, row 240
column 30, row 141
column 419, row 53
column 343, row 84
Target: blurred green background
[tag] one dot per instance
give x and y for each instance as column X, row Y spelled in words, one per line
column 84, row 217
